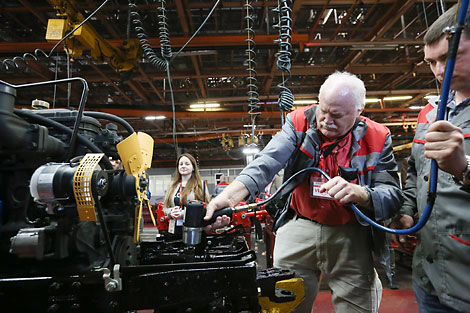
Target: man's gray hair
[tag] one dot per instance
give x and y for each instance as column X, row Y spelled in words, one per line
column 435, row 31
column 355, row 85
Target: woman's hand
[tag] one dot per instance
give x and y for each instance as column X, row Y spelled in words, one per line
column 176, row 213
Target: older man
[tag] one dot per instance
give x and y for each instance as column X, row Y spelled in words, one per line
column 322, row 234
column 441, row 259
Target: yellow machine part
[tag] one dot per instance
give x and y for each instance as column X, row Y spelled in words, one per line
column 82, row 186
column 295, row 285
column 55, row 29
column 121, row 58
column 136, row 153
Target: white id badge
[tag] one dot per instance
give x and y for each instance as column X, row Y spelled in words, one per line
column 315, row 184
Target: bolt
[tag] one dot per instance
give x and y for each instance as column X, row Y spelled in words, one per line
column 113, row 305
column 75, row 307
column 112, row 285
column 53, row 308
column 54, row 287
column 76, row 285
column 102, row 182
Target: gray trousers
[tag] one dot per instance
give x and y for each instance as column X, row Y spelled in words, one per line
column 342, row 254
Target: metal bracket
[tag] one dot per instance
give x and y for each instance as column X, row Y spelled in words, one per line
column 112, row 284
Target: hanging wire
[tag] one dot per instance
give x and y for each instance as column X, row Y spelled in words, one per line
column 286, row 98
column 69, row 85
column 197, row 31
column 170, row 86
column 166, row 52
column 56, row 73
column 252, row 83
column 164, row 33
column 38, row 52
column 165, row 49
column 136, row 20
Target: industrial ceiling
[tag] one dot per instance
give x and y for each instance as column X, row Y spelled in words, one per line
column 378, row 40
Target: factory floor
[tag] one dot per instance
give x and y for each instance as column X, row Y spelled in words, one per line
column 398, row 298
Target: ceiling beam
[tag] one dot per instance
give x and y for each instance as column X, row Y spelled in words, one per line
column 33, row 11
column 216, row 115
column 220, row 41
column 149, row 81
column 139, row 90
column 107, row 79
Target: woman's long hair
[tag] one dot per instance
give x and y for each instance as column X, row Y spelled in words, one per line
column 194, row 184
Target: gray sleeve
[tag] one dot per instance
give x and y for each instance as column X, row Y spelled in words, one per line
column 410, row 206
column 267, row 163
column 385, row 188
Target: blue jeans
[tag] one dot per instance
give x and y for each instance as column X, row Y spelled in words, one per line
column 428, row 303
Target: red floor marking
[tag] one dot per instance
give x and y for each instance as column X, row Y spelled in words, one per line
column 393, row 301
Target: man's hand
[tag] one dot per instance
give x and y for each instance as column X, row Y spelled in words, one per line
column 229, row 197
column 445, row 144
column 402, row 221
column 220, row 221
column 346, row 192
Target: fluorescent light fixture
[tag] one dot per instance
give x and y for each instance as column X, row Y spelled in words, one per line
column 372, row 100
column 204, row 110
column 430, row 96
column 204, row 105
column 153, row 118
column 397, row 98
column 416, row 107
column 252, row 149
column 306, row 101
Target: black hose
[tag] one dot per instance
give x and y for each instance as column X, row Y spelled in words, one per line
column 104, row 229
column 113, row 118
column 81, row 106
column 51, row 123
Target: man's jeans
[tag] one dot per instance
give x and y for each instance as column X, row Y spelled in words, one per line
column 428, row 303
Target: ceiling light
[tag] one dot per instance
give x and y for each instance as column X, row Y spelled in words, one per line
column 153, row 118
column 306, row 101
column 204, row 110
column 397, row 98
column 430, row 97
column 416, row 107
column 204, row 105
column 372, row 100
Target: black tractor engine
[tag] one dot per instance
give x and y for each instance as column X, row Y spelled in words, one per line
column 47, row 234
column 69, row 226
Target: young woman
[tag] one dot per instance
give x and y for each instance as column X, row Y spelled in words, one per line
column 186, row 185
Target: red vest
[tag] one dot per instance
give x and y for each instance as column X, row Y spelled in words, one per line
column 331, row 212
column 324, row 211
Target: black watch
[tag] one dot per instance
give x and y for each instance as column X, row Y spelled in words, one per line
column 464, row 178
